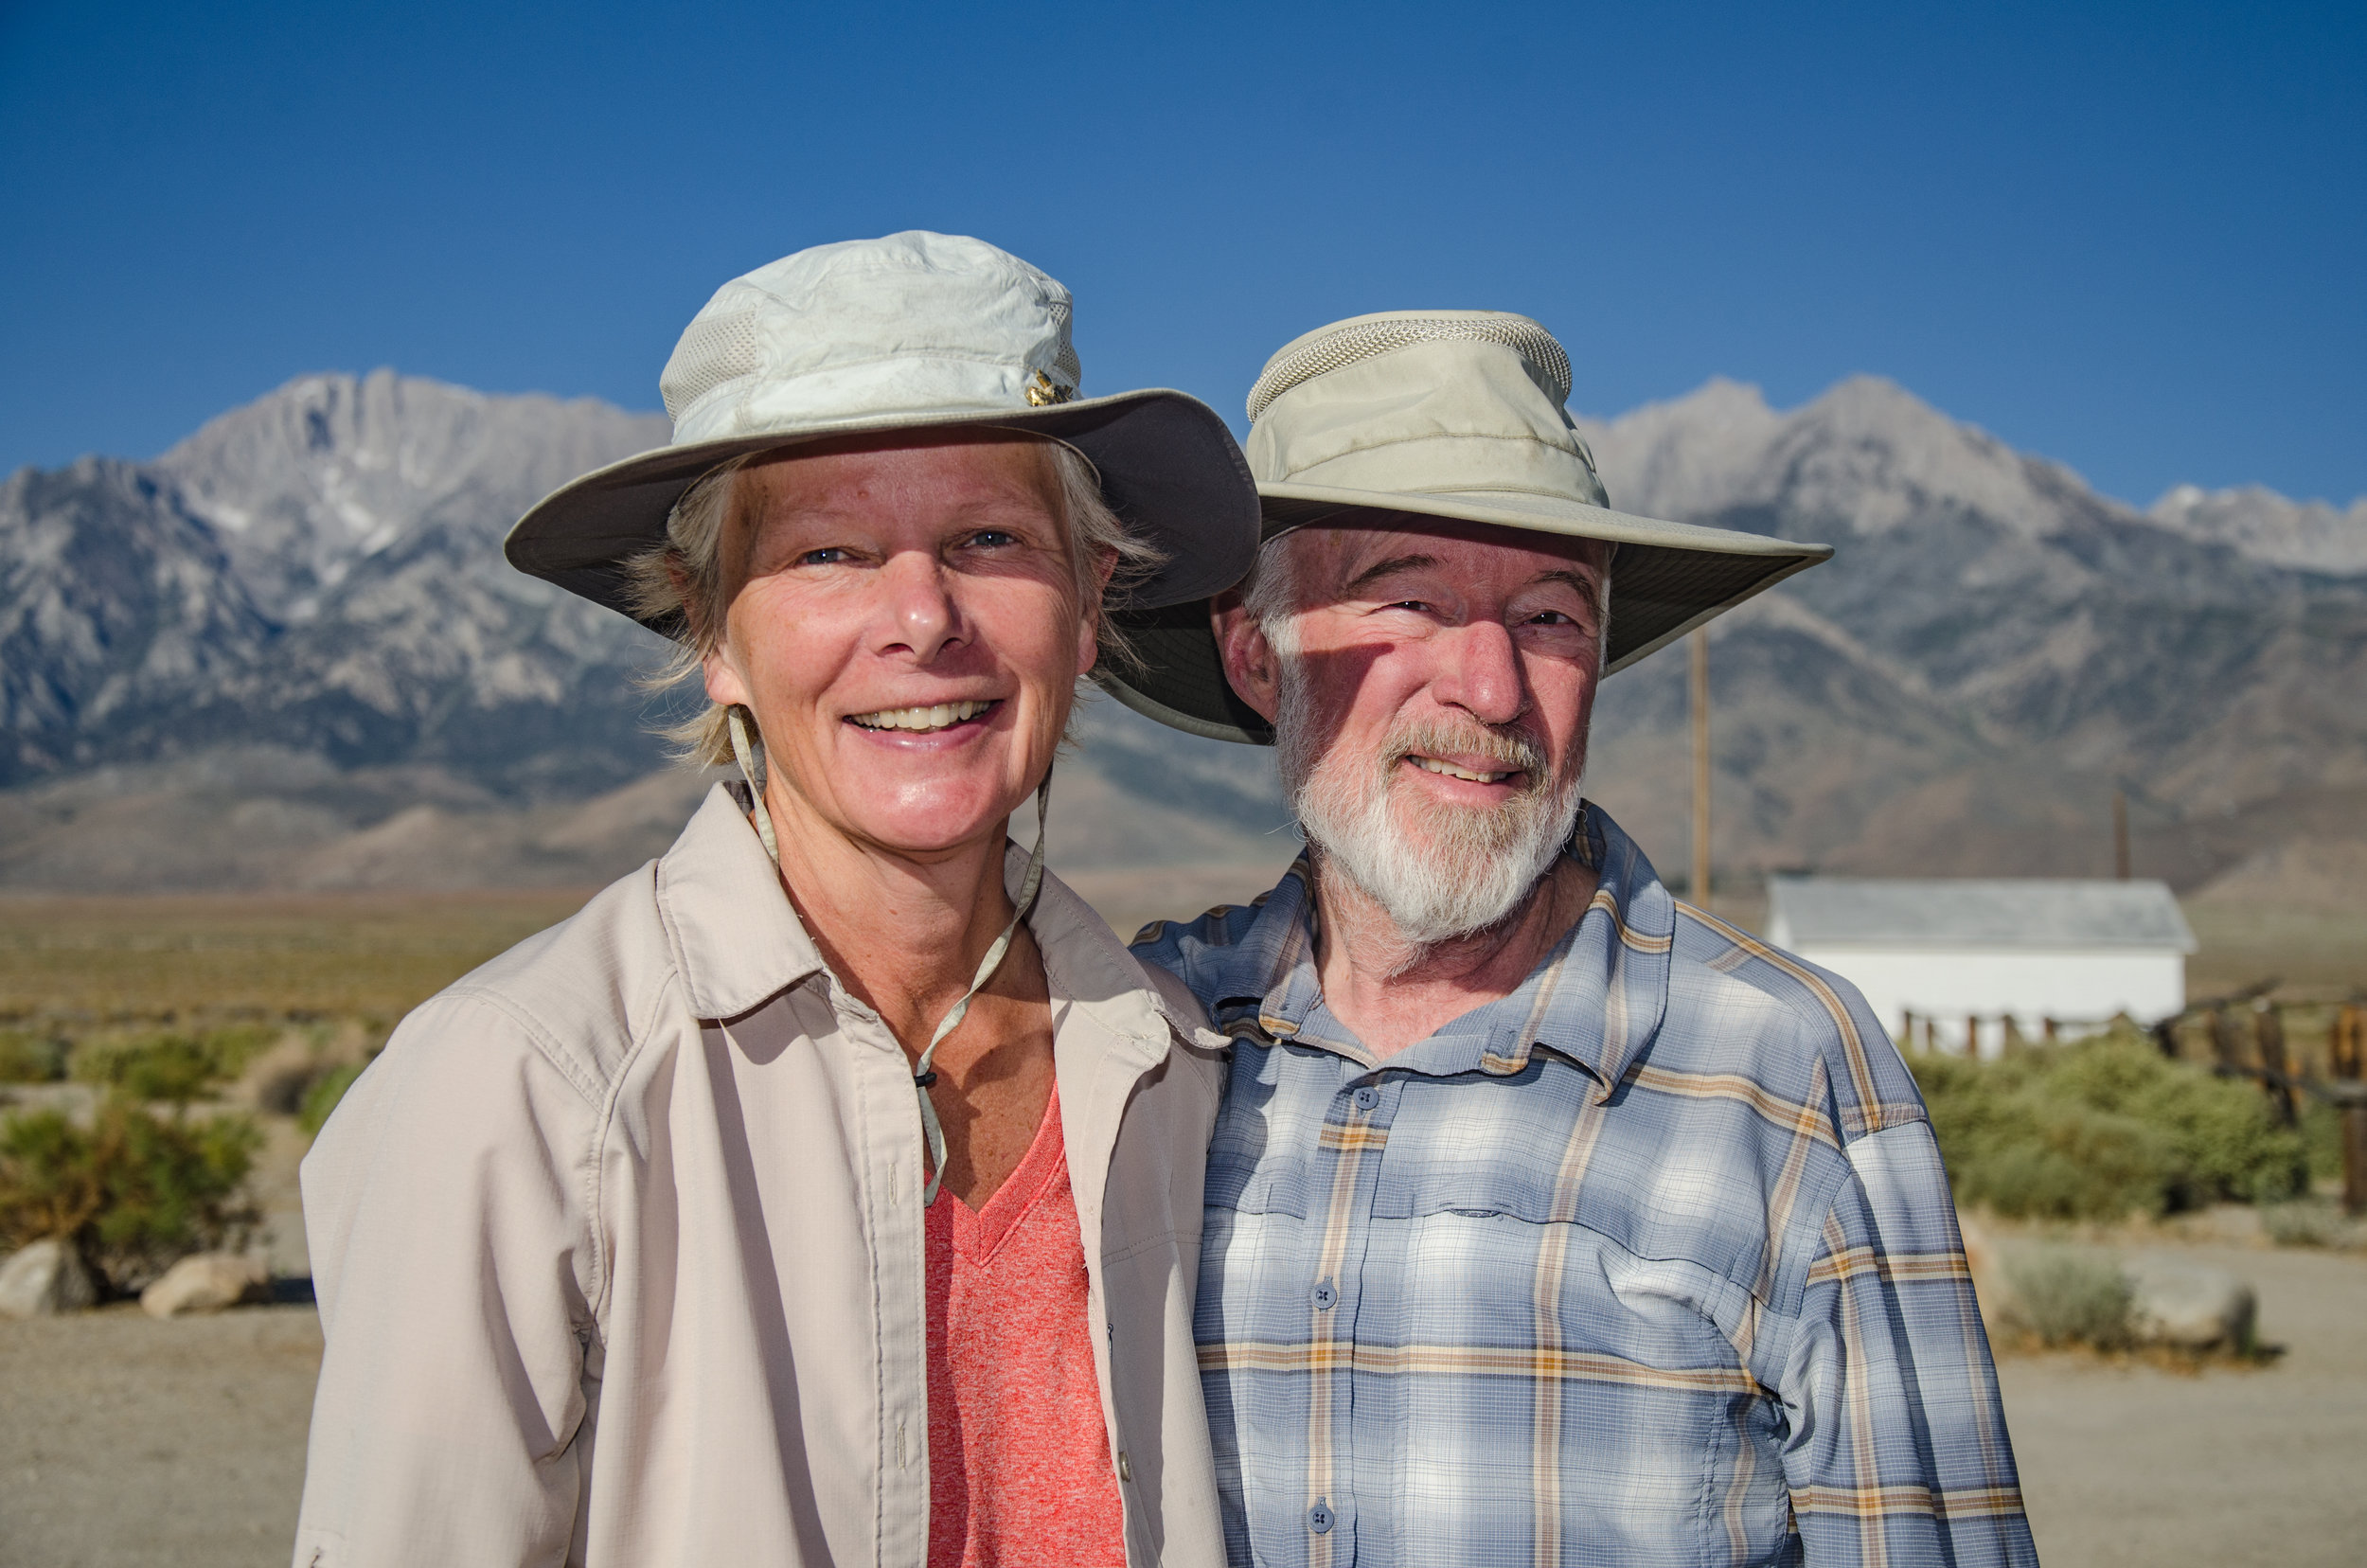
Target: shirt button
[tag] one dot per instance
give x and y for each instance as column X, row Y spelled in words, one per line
column 1324, row 1296
column 1367, row 1097
column 1318, row 1517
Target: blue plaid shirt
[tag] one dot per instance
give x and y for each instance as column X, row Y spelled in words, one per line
column 1650, row 1262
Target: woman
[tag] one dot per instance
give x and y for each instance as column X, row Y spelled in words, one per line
column 828, row 1191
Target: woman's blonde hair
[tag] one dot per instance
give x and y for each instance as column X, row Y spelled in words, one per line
column 684, row 580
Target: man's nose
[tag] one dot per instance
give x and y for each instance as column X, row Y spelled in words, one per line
column 1480, row 672
column 921, row 614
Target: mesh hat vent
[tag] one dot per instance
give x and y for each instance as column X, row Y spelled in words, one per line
column 1362, row 340
column 1065, row 363
column 711, row 352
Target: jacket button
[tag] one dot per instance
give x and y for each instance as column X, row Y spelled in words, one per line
column 1318, row 1517
column 1125, row 1469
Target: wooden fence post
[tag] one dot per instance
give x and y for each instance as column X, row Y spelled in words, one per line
column 2225, row 1043
column 2346, row 1047
column 2267, row 1032
column 2354, row 1155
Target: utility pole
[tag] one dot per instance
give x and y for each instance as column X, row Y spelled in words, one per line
column 1699, row 892
column 2120, row 834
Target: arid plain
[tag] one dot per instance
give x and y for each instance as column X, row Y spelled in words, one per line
column 132, row 1442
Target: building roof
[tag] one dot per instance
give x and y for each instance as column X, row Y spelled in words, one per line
column 1973, row 912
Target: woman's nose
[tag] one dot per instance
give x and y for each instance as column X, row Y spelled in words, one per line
column 922, row 616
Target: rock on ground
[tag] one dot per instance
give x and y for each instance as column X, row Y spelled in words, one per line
column 204, row 1282
column 44, row 1279
column 2189, row 1306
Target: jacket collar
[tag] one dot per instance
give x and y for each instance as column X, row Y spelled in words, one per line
column 736, row 934
column 739, row 943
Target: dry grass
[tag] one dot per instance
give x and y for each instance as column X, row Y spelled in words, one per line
column 2314, row 954
column 324, row 955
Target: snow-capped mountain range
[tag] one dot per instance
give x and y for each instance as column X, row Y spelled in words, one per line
column 280, row 642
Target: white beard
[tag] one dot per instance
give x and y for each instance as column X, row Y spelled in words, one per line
column 1438, row 873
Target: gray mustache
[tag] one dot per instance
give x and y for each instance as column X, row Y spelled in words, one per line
column 1512, row 751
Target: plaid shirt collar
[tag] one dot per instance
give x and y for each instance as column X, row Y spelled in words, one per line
column 1594, row 998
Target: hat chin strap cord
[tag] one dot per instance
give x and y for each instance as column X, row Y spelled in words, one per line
column 748, row 752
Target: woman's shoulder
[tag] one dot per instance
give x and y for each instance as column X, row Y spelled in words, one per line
column 579, row 994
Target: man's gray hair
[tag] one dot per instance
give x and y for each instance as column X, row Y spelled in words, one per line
column 686, row 578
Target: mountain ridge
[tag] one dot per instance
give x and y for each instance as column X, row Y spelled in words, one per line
column 316, row 578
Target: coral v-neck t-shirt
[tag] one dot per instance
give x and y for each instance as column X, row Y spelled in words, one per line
column 1018, row 1456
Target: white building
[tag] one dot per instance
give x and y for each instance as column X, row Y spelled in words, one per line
column 1961, row 956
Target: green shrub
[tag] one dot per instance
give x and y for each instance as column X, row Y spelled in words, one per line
column 2065, row 1296
column 133, row 1191
column 323, row 1097
column 2306, row 1222
column 169, row 1066
column 2101, row 1127
column 29, row 1055
column 2322, row 1139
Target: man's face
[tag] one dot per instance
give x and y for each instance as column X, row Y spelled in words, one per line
column 1431, row 688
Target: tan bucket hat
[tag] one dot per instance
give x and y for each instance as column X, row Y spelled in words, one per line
column 1452, row 414
column 905, row 332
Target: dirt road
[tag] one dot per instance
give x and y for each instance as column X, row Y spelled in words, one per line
column 125, row 1442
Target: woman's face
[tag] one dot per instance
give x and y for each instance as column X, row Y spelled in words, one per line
column 903, row 621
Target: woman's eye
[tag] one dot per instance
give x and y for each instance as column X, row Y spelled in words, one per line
column 993, row 539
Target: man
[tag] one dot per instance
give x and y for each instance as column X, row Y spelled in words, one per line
column 1548, row 1221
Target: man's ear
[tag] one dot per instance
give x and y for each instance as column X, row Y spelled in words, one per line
column 1250, row 665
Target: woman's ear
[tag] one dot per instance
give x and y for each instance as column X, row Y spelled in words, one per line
column 1089, row 624
column 1250, row 665
column 726, row 685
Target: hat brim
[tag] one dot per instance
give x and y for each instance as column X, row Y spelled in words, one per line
column 1169, row 468
column 1668, row 578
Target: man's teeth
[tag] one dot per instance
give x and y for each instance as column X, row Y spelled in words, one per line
column 933, row 718
column 1453, row 772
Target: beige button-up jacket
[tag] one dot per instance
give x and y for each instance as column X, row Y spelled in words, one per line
column 618, row 1245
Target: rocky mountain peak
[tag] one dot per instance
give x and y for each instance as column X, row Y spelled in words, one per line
column 2310, row 536
column 331, row 469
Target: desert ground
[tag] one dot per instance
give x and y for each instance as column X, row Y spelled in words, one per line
column 128, row 1441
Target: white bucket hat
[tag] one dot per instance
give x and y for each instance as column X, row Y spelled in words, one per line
column 913, row 331
column 1451, row 414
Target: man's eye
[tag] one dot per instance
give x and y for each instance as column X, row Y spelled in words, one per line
column 830, row 556
column 1417, row 605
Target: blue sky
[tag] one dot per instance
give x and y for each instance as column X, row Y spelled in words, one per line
column 2131, row 238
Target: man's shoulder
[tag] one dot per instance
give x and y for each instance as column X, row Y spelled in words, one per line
column 1740, row 1003
column 1202, row 951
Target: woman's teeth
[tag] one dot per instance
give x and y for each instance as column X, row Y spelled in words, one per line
column 1453, row 772
column 933, row 718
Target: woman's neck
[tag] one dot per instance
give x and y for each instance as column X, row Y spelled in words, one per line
column 904, row 933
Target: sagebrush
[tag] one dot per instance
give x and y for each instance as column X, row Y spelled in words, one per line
column 2101, row 1128
column 131, row 1191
